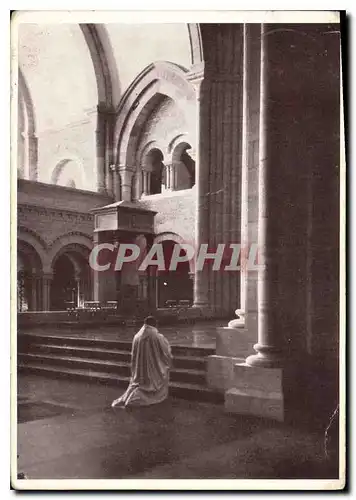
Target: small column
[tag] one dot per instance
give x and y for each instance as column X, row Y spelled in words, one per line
column 172, row 178
column 78, row 289
column 167, row 177
column 144, row 182
column 34, row 292
column 97, row 288
column 201, row 285
column 46, row 291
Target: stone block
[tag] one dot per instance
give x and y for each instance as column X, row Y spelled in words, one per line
column 256, row 391
column 234, row 342
column 220, row 371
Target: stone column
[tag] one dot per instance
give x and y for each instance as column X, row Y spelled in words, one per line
column 21, row 155
column 257, row 387
column 46, row 291
column 116, row 181
column 268, row 347
column 219, row 157
column 101, row 150
column 34, row 292
column 126, row 183
column 167, row 176
column 201, row 286
column 172, row 177
column 32, row 157
column 146, row 182
column 104, row 282
column 109, row 151
column 78, row 291
column 292, row 130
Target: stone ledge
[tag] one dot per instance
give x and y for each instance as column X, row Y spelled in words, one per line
column 262, row 405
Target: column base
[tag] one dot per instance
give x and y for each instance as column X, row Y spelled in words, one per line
column 240, row 321
column 256, row 391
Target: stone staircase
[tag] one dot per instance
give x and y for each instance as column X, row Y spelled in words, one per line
column 108, row 362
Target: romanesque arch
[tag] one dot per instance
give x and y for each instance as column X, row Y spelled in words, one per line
column 158, row 80
column 71, row 273
column 27, row 140
column 69, row 173
column 25, row 95
column 104, row 63
column 196, row 44
column 33, row 240
column 74, row 238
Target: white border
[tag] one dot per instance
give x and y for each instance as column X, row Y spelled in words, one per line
column 166, row 16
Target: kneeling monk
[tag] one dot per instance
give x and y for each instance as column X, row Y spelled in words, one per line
column 151, row 359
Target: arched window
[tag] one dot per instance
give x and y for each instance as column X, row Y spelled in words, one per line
column 155, row 169
column 184, row 166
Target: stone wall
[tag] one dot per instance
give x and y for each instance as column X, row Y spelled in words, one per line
column 176, row 213
column 74, row 143
column 166, row 122
column 50, row 217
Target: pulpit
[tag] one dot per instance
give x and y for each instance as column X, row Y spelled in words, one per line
column 120, row 223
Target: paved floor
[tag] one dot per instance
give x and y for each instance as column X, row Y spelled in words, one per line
column 71, row 432
column 199, row 334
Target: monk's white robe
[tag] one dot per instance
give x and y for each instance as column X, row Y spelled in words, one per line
column 151, row 359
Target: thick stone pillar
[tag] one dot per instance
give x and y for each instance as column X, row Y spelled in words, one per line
column 47, row 279
column 269, row 343
column 126, row 176
column 258, row 381
column 116, row 183
column 219, row 158
column 104, row 281
column 32, row 157
column 101, row 141
column 109, row 152
column 21, row 155
column 292, row 130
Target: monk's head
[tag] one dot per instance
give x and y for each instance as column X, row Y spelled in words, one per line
column 150, row 320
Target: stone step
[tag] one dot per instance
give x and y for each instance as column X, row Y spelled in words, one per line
column 26, row 339
column 176, row 389
column 119, row 368
column 191, row 362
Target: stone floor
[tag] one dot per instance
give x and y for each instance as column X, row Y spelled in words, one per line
column 198, row 334
column 67, row 430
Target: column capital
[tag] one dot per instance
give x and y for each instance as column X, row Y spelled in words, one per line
column 196, row 73
column 124, row 168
